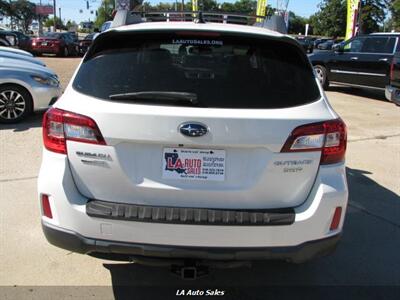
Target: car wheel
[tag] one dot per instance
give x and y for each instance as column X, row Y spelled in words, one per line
column 321, row 74
column 15, row 103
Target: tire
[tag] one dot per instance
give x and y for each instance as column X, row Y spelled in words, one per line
column 15, row 103
column 64, row 52
column 321, row 74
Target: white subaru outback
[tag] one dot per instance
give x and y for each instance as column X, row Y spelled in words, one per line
column 197, row 141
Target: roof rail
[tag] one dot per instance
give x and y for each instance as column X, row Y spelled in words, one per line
column 125, row 17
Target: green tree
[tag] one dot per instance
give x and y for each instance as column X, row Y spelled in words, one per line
column 330, row 20
column 104, row 12
column 394, row 7
column 71, row 24
column 5, row 8
column 297, row 24
column 50, row 22
column 21, row 11
column 246, row 6
column 372, row 15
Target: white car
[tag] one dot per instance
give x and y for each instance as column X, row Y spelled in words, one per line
column 195, row 141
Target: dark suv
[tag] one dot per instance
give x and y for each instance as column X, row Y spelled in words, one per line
column 393, row 89
column 363, row 61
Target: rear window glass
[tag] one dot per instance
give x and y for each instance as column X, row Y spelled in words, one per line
column 222, row 71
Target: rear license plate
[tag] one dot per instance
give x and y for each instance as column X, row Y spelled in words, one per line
column 193, row 164
column 44, row 44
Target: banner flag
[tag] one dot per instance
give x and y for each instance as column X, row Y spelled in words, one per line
column 195, row 5
column 261, row 4
column 352, row 16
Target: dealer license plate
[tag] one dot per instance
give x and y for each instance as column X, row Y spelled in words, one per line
column 193, row 164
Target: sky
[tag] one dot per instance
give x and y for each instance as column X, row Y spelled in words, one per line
column 70, row 9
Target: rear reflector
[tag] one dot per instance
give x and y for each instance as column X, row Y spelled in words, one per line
column 60, row 126
column 336, row 218
column 329, row 137
column 46, row 206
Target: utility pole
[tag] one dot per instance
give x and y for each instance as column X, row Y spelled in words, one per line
column 360, row 18
column 40, row 21
column 59, row 13
column 55, row 15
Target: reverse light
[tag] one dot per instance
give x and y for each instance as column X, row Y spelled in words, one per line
column 60, row 126
column 46, row 206
column 336, row 219
column 329, row 137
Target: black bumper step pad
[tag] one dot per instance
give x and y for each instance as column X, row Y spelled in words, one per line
column 184, row 215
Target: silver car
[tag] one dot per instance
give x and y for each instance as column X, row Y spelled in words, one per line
column 16, row 51
column 16, row 55
column 25, row 87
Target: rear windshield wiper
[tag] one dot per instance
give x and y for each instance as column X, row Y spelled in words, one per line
column 158, row 96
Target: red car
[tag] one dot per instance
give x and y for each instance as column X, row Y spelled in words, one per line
column 61, row 44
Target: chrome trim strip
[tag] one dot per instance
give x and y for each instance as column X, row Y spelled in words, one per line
column 357, row 73
column 395, row 45
column 357, row 85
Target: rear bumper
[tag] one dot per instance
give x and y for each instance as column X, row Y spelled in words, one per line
column 392, row 94
column 44, row 96
column 49, row 50
column 75, row 242
column 312, row 219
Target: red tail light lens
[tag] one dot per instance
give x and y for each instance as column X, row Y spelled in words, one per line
column 329, row 137
column 60, row 126
column 46, row 206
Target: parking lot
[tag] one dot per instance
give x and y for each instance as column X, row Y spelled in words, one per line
column 367, row 256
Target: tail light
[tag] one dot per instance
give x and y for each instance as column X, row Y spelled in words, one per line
column 60, row 126
column 329, row 137
column 392, row 70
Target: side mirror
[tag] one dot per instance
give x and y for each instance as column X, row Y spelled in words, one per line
column 12, row 39
column 338, row 48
